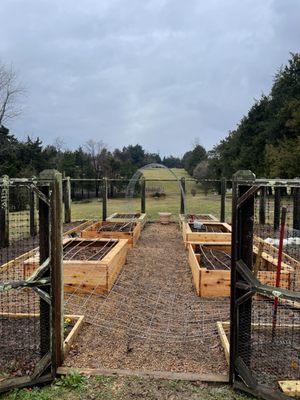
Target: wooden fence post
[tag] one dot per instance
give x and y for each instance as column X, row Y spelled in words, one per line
column 296, row 208
column 4, row 212
column 143, row 195
column 67, row 199
column 182, row 196
column 51, row 229
column 57, row 271
column 104, row 200
column 223, row 199
column 262, row 205
column 33, row 213
column 277, row 202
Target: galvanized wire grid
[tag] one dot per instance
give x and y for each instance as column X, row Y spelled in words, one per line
column 269, row 336
column 19, row 308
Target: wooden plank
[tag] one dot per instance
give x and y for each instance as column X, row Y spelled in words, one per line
column 224, row 340
column 72, row 336
column 290, row 388
column 184, row 376
column 116, row 262
column 195, row 268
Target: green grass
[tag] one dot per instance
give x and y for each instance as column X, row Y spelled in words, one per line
column 199, row 203
column 113, row 388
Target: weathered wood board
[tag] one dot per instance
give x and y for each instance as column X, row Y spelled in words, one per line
column 94, row 232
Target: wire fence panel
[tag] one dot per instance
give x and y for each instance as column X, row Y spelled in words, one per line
column 161, row 195
column 265, row 319
column 24, row 293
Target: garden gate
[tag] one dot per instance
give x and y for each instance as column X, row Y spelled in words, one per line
column 265, row 318
column 31, row 317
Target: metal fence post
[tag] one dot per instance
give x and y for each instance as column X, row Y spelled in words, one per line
column 143, row 195
column 67, row 199
column 223, row 199
column 277, row 201
column 182, row 196
column 104, row 200
column 241, row 249
column 296, row 208
column 4, row 212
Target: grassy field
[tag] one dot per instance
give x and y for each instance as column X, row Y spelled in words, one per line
column 196, row 199
column 112, row 388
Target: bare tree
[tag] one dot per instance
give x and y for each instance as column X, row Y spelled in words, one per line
column 10, row 90
column 95, row 150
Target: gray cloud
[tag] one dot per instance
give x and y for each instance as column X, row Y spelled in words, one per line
column 159, row 72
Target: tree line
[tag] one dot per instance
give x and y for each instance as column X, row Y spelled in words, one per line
column 266, row 141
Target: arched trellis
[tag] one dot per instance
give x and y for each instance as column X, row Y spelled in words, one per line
column 139, row 173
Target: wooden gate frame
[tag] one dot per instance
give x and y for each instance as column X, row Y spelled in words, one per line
column 47, row 281
column 244, row 284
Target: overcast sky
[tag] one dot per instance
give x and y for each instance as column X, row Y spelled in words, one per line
column 160, row 73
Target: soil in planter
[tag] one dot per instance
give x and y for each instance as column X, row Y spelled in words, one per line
column 213, row 259
column 208, row 228
column 127, row 216
column 117, row 227
column 87, row 250
column 202, row 217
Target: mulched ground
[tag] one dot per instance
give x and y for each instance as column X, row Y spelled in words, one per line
column 152, row 319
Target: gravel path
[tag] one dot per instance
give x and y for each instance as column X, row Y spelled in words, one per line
column 152, row 318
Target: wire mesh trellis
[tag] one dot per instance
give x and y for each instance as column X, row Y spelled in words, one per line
column 265, row 353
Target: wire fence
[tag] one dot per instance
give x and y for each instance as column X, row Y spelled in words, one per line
column 266, row 331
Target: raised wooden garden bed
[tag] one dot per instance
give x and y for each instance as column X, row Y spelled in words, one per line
column 129, row 230
column 211, row 263
column 90, row 264
column 72, row 325
column 210, row 232
column 124, row 217
column 200, row 217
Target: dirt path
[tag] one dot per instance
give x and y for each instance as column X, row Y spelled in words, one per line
column 152, row 319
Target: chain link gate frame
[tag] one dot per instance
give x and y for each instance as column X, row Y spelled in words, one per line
column 245, row 287
column 46, row 281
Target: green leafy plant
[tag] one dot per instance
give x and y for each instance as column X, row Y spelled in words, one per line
column 73, row 381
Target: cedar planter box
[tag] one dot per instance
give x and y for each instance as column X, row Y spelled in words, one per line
column 219, row 232
column 72, row 325
column 200, row 217
column 124, row 217
column 90, row 265
column 210, row 264
column 116, row 230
